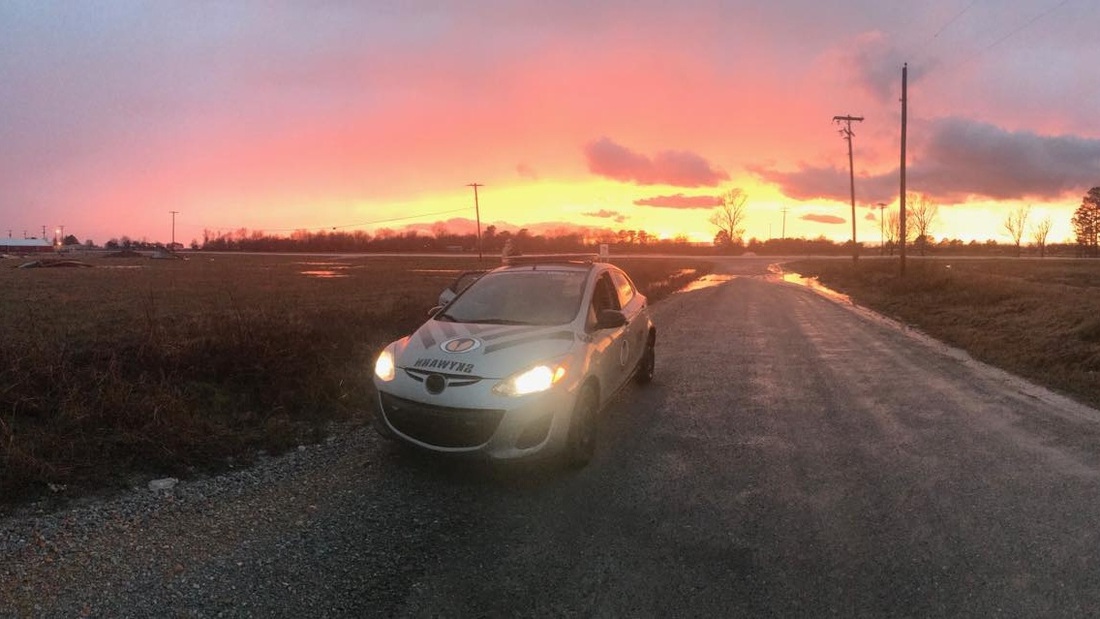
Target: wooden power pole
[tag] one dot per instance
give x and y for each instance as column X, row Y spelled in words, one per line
column 477, row 214
column 846, row 133
column 904, row 110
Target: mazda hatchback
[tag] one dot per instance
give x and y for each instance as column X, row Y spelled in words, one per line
column 518, row 363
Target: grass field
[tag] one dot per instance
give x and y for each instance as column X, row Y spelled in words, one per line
column 1039, row 319
column 165, row 367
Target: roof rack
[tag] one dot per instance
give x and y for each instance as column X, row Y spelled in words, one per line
column 551, row 259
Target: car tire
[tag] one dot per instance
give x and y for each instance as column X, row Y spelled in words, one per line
column 580, row 443
column 647, row 365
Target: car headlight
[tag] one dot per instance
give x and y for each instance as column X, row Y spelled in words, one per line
column 532, row 380
column 384, row 367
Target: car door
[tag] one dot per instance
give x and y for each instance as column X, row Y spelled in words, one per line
column 607, row 356
column 632, row 305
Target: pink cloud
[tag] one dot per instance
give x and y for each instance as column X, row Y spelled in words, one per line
column 680, row 201
column 669, row 167
column 526, row 171
column 823, row 219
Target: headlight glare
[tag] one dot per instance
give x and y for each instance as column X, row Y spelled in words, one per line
column 384, row 367
column 534, row 380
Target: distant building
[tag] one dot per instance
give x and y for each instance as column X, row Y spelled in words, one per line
column 25, row 246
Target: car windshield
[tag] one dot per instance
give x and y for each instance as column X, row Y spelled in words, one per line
column 529, row 297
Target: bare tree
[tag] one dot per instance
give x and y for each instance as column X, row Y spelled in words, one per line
column 893, row 230
column 923, row 213
column 1015, row 223
column 728, row 217
column 1039, row 235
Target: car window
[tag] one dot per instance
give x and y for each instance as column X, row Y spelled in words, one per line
column 604, row 297
column 529, row 297
column 623, row 287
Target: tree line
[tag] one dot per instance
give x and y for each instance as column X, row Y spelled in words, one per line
column 922, row 215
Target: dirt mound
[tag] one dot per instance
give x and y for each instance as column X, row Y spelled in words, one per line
column 53, row 263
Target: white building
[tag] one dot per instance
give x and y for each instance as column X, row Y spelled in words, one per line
column 25, row 246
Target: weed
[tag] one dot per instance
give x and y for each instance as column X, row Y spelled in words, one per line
column 167, row 367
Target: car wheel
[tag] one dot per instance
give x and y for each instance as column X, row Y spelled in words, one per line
column 648, row 363
column 581, row 441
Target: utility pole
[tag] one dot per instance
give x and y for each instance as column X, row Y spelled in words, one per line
column 43, row 233
column 904, row 111
column 784, row 234
column 172, row 247
column 477, row 213
column 881, row 229
column 846, row 133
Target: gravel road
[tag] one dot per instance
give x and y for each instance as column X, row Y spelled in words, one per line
column 794, row 457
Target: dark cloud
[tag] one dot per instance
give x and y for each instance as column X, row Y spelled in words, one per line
column 606, row 214
column 669, row 167
column 815, row 183
column 873, row 64
column 680, row 201
column 823, row 219
column 962, row 159
column 526, row 171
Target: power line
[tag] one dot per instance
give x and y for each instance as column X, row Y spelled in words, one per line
column 1025, row 25
column 922, row 57
column 954, row 19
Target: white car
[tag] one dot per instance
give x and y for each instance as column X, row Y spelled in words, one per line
column 518, row 363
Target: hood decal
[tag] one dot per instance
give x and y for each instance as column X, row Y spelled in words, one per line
column 559, row 335
column 448, row 330
column 460, row 345
column 426, row 337
column 490, row 338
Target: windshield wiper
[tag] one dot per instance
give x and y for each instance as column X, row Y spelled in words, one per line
column 499, row 321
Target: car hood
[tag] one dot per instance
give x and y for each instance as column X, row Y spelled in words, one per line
column 485, row 351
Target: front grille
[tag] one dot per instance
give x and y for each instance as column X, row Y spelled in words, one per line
column 438, row 425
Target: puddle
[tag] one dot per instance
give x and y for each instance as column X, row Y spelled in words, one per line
column 707, row 281
column 324, row 274
column 809, row 282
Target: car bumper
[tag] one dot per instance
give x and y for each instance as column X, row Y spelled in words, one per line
column 535, row 426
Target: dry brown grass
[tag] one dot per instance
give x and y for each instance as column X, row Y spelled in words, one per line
column 170, row 367
column 1035, row 318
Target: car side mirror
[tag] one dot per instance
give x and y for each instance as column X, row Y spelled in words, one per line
column 462, row 282
column 610, row 319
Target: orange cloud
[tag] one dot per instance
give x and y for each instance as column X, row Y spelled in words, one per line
column 616, row 216
column 823, row 219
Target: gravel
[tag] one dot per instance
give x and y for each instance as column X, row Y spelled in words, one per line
column 314, row 531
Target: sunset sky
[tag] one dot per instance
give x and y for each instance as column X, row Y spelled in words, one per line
column 278, row 116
